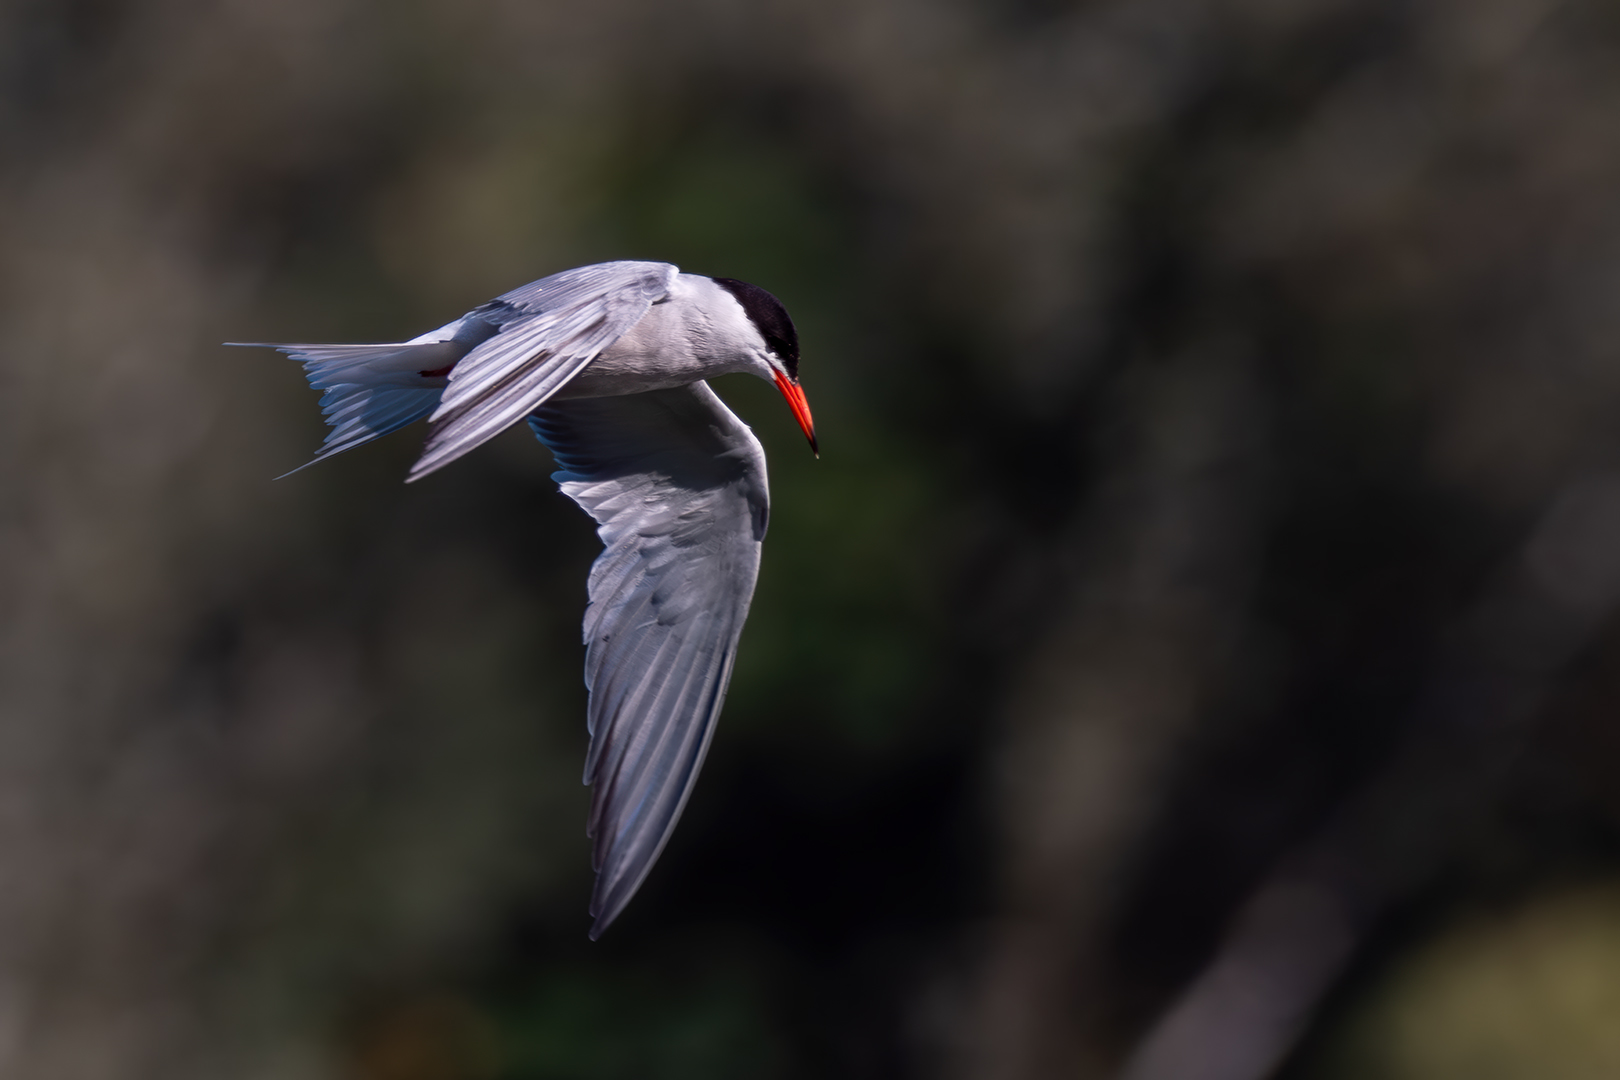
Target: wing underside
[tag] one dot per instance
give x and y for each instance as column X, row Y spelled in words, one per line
column 677, row 486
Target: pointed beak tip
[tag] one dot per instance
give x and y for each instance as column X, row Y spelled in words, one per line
column 794, row 393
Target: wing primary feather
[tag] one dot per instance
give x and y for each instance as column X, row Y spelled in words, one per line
column 668, row 704
column 614, row 801
column 675, row 794
column 613, row 739
column 643, row 750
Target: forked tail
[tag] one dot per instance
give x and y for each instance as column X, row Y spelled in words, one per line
column 371, row 390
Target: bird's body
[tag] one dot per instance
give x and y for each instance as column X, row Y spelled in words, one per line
column 607, row 363
column 701, row 332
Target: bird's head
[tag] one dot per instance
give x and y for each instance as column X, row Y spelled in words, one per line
column 781, row 347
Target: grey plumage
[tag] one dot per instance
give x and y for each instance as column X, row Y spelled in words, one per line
column 677, row 485
column 548, row 331
column 608, row 363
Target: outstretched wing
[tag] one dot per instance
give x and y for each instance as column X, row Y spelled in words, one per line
column 677, row 485
column 548, row 331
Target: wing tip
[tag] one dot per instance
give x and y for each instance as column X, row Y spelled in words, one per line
column 291, row 472
column 444, row 445
column 605, row 914
column 433, row 456
column 425, row 467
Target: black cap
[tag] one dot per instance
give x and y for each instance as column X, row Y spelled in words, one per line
column 770, row 318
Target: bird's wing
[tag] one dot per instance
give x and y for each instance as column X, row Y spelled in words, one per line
column 549, row 330
column 677, row 485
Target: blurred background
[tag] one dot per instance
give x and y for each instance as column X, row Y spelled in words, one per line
column 1193, row 658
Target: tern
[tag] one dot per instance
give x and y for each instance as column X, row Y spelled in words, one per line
column 608, row 364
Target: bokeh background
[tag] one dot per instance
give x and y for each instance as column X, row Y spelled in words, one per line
column 1193, row 658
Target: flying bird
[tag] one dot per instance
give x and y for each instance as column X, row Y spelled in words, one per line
column 608, row 364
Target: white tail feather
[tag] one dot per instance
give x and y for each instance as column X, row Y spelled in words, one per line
column 371, row 390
